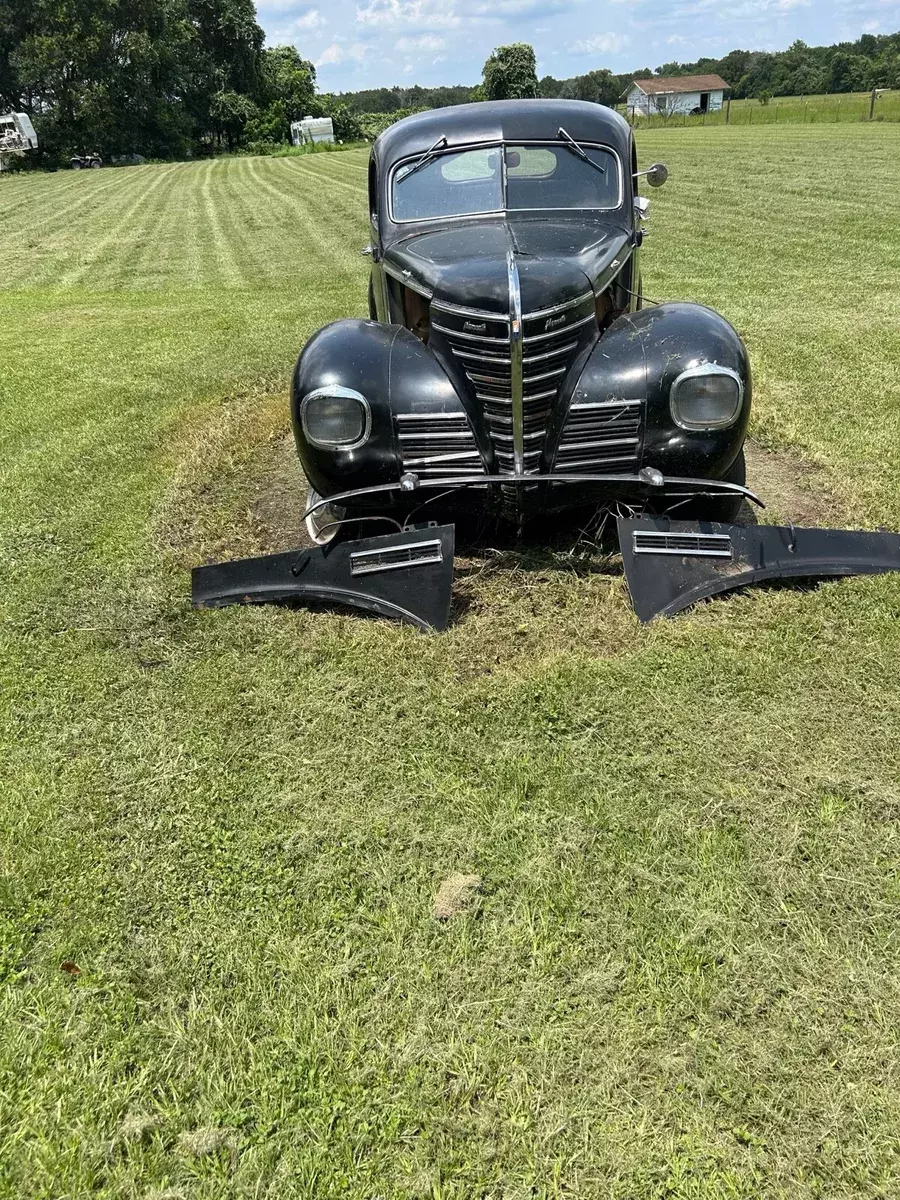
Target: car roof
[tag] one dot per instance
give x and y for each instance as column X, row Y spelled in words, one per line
column 503, row 120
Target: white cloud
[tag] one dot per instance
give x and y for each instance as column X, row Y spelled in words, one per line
column 425, row 41
column 603, row 43
column 336, row 53
column 675, row 40
column 410, row 13
column 331, row 54
column 311, row 19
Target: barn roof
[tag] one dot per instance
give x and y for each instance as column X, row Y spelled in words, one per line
column 681, row 83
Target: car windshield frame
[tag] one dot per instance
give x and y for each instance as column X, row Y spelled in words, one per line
column 505, row 144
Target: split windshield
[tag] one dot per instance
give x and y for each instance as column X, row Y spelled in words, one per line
column 473, row 181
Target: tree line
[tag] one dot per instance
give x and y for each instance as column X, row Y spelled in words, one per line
column 178, row 78
column 871, row 62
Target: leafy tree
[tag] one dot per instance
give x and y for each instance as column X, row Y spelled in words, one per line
column 599, row 87
column 288, row 80
column 510, row 73
column 231, row 112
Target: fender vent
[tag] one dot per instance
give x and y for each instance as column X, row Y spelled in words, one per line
column 437, row 444
column 395, row 558
column 600, row 435
column 686, row 545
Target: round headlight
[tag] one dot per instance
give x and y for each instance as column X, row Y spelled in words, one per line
column 336, row 418
column 706, row 397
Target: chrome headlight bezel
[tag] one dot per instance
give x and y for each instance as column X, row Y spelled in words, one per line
column 706, row 370
column 335, row 391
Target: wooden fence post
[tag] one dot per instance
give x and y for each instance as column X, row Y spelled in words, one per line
column 872, row 105
column 728, row 111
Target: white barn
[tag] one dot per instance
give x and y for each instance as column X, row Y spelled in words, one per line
column 681, row 94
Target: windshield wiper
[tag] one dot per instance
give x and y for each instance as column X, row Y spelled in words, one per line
column 424, row 159
column 569, row 141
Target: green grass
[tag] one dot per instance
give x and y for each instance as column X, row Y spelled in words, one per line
column 679, row 978
column 790, row 110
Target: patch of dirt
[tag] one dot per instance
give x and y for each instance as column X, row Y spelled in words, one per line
column 792, row 489
column 455, row 895
column 237, row 489
column 281, row 498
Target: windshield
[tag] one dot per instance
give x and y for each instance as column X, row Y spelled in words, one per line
column 472, row 181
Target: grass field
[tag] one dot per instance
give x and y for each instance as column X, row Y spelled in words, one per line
column 222, row 833
column 791, row 110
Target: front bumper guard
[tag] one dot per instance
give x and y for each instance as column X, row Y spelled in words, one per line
column 646, row 485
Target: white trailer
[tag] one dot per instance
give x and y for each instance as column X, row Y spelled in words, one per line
column 312, row 129
column 17, row 136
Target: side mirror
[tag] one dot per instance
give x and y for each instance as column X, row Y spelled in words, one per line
column 657, row 174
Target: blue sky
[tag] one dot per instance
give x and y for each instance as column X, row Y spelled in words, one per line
column 374, row 43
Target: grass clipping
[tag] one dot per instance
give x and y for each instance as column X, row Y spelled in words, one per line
column 456, row 894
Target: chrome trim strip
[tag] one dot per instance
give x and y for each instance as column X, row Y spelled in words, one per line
column 407, row 280
column 546, row 375
column 438, row 416
column 516, row 369
column 557, row 308
column 579, row 444
column 470, row 337
column 342, row 393
column 567, row 349
column 433, row 435
column 529, row 437
column 428, row 460
column 460, row 311
column 683, row 545
column 483, row 357
column 592, row 405
column 369, row 562
column 542, row 337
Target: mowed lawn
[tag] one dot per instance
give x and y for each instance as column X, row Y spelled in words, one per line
column 223, row 832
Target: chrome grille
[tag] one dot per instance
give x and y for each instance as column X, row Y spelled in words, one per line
column 605, row 434
column 437, row 444
column 481, row 342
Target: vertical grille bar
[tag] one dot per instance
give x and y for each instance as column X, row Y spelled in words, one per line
column 517, row 388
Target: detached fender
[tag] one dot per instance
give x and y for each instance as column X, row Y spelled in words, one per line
column 670, row 565
column 639, row 358
column 394, row 371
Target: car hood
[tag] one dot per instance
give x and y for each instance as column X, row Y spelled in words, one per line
column 466, row 264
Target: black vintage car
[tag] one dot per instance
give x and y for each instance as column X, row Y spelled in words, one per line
column 508, row 338
column 509, row 366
